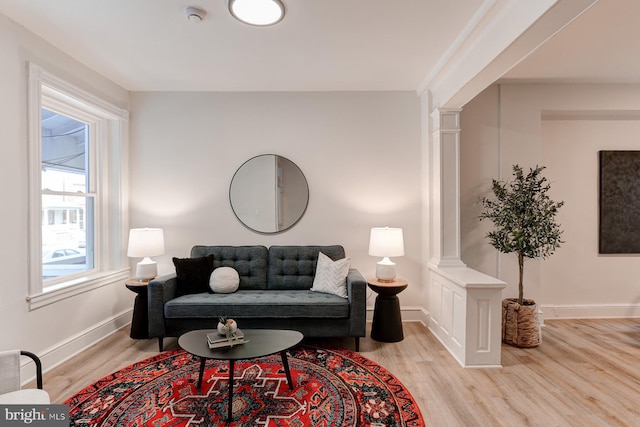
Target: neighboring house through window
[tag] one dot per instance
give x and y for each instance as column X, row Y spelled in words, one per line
column 76, row 141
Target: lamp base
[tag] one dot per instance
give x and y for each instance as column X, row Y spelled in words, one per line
column 146, row 269
column 386, row 270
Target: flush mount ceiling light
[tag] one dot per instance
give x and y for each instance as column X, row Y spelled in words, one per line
column 195, row 14
column 257, row 12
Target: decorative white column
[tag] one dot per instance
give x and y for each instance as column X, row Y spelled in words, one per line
column 465, row 306
column 445, row 188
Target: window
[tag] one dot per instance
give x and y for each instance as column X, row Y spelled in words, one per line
column 68, row 189
column 76, row 228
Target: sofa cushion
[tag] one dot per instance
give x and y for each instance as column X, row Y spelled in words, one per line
column 193, row 274
column 249, row 261
column 294, row 267
column 258, row 304
column 224, row 280
column 331, row 276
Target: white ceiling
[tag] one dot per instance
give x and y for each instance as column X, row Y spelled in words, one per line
column 321, row 45
column 600, row 46
column 149, row 45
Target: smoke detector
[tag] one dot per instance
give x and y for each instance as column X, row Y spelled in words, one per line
column 195, row 14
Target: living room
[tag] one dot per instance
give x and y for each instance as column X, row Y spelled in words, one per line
column 363, row 153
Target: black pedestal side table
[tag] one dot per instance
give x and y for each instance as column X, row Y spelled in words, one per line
column 140, row 321
column 387, row 321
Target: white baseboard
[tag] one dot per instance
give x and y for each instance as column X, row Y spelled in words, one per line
column 589, row 311
column 74, row 345
column 408, row 313
column 420, row 314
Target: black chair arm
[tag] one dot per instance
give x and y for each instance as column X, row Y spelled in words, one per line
column 38, row 363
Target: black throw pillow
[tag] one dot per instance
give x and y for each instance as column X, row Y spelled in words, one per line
column 193, row 274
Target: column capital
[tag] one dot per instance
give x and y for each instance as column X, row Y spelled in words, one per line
column 446, row 119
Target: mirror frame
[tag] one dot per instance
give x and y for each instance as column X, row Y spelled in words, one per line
column 287, row 226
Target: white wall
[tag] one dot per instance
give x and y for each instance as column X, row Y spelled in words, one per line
column 479, row 163
column 360, row 153
column 562, row 127
column 56, row 330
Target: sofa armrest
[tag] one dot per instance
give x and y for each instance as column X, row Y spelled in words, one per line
column 357, row 293
column 160, row 290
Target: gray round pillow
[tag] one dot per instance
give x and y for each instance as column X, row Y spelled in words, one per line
column 224, row 280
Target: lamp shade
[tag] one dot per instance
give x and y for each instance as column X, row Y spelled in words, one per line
column 386, row 242
column 145, row 242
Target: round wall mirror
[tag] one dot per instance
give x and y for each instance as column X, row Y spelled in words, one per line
column 269, row 193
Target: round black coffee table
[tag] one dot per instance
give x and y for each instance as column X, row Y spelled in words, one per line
column 262, row 342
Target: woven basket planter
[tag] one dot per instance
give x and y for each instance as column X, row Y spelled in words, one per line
column 520, row 326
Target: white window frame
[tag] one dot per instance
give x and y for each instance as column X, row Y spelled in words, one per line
column 109, row 125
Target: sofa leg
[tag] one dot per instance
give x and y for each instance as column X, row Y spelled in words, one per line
column 160, row 346
column 357, row 344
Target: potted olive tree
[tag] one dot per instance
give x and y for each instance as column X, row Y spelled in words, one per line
column 524, row 218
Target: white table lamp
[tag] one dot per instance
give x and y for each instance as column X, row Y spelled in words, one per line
column 145, row 243
column 386, row 242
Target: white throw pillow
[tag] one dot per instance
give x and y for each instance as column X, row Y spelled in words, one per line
column 224, row 280
column 331, row 276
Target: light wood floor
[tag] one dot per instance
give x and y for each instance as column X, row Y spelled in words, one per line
column 585, row 373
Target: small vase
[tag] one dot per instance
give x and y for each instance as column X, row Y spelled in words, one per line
column 231, row 327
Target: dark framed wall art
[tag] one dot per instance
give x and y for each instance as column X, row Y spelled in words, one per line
column 619, row 202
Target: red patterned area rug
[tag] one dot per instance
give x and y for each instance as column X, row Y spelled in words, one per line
column 331, row 388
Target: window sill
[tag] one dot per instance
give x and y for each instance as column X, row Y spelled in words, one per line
column 76, row 287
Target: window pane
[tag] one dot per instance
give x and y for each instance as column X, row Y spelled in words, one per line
column 67, row 235
column 67, row 220
column 64, row 153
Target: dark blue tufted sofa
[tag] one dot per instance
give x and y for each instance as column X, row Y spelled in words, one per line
column 274, row 293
